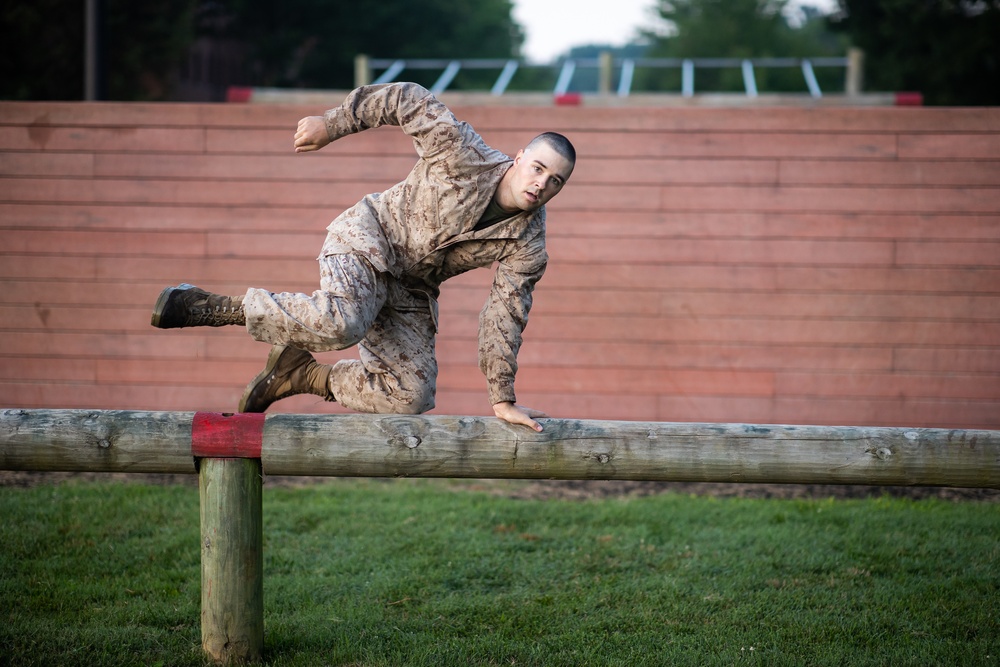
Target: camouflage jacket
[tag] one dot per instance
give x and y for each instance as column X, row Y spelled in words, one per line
column 422, row 230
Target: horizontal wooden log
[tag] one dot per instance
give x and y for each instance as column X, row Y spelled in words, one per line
column 474, row 447
column 96, row 441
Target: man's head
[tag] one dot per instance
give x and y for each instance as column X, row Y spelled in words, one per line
column 539, row 172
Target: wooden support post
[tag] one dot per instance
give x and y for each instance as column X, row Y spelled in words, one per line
column 362, row 70
column 232, row 560
column 854, row 79
column 605, row 65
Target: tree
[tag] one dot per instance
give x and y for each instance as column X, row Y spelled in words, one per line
column 42, row 53
column 739, row 29
column 40, row 58
column 948, row 50
column 296, row 43
column 143, row 44
column 312, row 43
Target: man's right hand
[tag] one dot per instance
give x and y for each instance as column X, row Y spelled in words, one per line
column 518, row 414
column 311, row 134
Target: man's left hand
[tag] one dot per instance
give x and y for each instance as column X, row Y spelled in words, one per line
column 518, row 414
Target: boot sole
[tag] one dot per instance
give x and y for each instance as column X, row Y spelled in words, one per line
column 161, row 304
column 272, row 360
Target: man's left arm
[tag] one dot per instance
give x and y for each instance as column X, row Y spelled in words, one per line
column 502, row 322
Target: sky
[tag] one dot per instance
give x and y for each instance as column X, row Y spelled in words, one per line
column 553, row 27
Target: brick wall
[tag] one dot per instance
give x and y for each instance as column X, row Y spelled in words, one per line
column 827, row 266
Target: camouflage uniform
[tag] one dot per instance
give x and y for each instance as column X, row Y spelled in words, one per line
column 385, row 258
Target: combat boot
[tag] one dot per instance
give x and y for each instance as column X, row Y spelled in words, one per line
column 189, row 306
column 289, row 371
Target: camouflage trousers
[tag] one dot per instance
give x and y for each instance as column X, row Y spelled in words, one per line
column 394, row 329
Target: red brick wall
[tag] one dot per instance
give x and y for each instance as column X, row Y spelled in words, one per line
column 827, row 266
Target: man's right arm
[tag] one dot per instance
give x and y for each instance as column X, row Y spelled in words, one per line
column 410, row 106
column 518, row 414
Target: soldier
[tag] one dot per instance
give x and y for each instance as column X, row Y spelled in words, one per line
column 463, row 206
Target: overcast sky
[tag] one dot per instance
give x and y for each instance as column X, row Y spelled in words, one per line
column 552, row 27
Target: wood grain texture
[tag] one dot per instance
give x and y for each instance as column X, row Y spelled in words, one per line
column 474, row 447
column 232, row 560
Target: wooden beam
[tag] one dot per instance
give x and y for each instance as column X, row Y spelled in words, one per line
column 96, row 441
column 479, row 447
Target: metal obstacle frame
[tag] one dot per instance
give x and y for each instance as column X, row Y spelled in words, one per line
column 392, row 69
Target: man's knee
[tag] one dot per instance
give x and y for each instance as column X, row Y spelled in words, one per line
column 334, row 333
column 336, row 322
column 413, row 401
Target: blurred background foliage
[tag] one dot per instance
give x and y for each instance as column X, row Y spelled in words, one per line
column 949, row 50
column 742, row 29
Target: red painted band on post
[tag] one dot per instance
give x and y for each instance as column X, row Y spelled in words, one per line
column 569, row 100
column 227, row 435
column 909, row 99
column 239, row 94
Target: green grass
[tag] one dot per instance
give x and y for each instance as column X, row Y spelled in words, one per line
column 431, row 573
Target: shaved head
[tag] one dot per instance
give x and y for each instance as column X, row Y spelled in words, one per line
column 556, row 142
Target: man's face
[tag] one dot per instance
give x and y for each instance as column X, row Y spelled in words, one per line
column 537, row 175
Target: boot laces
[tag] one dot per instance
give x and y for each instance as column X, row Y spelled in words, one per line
column 214, row 314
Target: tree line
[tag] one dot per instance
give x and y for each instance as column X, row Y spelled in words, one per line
column 946, row 49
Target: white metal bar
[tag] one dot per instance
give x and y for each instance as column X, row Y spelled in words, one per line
column 391, row 73
column 504, row 79
column 565, row 76
column 749, row 82
column 446, row 77
column 687, row 77
column 625, row 82
column 811, row 82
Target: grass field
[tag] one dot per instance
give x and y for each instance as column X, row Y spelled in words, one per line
column 361, row 572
